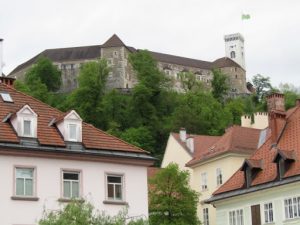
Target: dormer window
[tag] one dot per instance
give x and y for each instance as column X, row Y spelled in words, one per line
column 70, row 126
column 25, row 122
column 73, row 132
column 251, row 167
column 283, row 159
column 27, row 128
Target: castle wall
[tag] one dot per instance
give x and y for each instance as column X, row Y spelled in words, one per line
column 236, row 78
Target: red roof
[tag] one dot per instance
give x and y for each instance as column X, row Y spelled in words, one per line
column 47, row 134
column 201, row 143
column 236, row 139
column 288, row 144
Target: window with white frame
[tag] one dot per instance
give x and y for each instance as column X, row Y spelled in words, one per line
column 24, row 182
column 268, row 212
column 204, row 181
column 205, row 216
column 71, row 184
column 73, row 132
column 292, row 207
column 27, row 128
column 219, row 176
column 236, row 217
column 114, row 187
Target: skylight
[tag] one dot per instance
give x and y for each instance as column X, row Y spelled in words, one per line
column 6, row 97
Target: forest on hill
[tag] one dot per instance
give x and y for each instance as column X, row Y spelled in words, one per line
column 147, row 114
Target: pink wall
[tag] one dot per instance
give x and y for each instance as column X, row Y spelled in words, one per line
column 49, row 188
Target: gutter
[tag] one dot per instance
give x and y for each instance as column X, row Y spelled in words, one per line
column 239, row 192
column 106, row 153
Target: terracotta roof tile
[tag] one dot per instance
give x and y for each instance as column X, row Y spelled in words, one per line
column 236, row 139
column 289, row 145
column 93, row 138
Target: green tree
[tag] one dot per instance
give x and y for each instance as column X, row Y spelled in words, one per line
column 236, row 107
column 86, row 99
column 200, row 113
column 219, row 85
column 171, row 200
column 81, row 213
column 140, row 137
column 291, row 94
column 262, row 86
column 189, row 82
column 46, row 72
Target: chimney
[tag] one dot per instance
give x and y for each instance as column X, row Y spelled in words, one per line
column 182, row 134
column 9, row 81
column 190, row 144
column 275, row 101
column 1, row 56
column 277, row 115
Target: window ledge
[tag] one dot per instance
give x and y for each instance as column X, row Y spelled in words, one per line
column 292, row 220
column 70, row 200
column 112, row 202
column 24, row 198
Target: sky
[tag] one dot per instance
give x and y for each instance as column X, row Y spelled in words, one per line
column 189, row 28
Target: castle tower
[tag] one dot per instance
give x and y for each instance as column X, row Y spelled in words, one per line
column 234, row 48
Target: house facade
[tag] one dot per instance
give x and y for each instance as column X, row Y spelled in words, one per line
column 266, row 188
column 212, row 160
column 48, row 158
column 122, row 76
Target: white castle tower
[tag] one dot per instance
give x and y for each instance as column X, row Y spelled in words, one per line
column 234, row 48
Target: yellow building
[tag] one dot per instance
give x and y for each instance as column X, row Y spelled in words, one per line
column 211, row 160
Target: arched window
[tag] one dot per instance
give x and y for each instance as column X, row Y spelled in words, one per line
column 232, row 54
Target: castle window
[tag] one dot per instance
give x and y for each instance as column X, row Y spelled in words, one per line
column 232, row 54
column 236, row 76
column 115, row 54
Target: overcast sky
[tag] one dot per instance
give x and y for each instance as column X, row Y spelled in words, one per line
column 189, row 28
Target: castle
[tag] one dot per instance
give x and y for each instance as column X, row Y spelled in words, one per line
column 69, row 61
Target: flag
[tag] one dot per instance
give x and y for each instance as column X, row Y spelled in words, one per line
column 245, row 16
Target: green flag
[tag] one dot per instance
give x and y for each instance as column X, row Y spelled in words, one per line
column 245, row 16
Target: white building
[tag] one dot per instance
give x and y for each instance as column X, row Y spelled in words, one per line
column 48, row 158
column 234, row 48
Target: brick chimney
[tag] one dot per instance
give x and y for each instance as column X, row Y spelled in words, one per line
column 9, row 81
column 277, row 115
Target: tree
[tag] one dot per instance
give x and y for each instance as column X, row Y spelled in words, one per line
column 86, row 99
column 171, row 200
column 46, row 72
column 200, row 113
column 291, row 94
column 140, row 137
column 81, row 213
column 262, row 86
column 189, row 82
column 219, row 85
column 236, row 107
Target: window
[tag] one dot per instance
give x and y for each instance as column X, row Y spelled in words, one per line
column 204, row 181
column 236, row 217
column 24, row 182
column 205, row 216
column 268, row 212
column 6, row 97
column 71, row 182
column 115, row 54
column 27, row 128
column 292, row 207
column 219, row 177
column 114, row 187
column 73, row 131
column 232, row 54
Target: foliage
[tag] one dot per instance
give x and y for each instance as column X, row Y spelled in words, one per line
column 291, row 94
column 262, row 86
column 171, row 199
column 80, row 213
column 189, row 82
column 236, row 107
column 46, row 72
column 140, row 137
column 200, row 113
column 86, row 99
column 219, row 85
